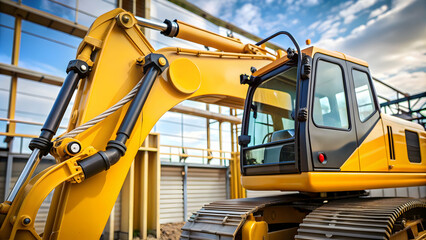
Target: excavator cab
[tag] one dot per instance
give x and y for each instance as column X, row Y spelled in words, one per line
column 312, row 123
column 271, row 126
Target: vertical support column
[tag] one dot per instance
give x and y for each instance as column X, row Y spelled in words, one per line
column 234, row 177
column 228, row 195
column 154, row 178
column 134, row 7
column 12, row 102
column 231, row 113
column 144, row 192
column 240, row 191
column 111, row 224
column 127, row 195
column 237, row 191
column 8, row 176
column 76, row 11
column 147, row 14
column 230, row 167
column 137, row 197
column 208, row 128
column 14, row 80
column 209, row 154
column 185, row 192
column 146, row 197
column 220, row 138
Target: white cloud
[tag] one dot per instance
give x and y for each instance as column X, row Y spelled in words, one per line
column 296, row 5
column 378, row 11
column 414, row 82
column 333, row 30
column 343, row 5
column 314, row 25
column 349, row 13
column 324, row 26
column 295, row 21
column 249, row 17
column 218, row 8
column 393, row 44
column 310, row 2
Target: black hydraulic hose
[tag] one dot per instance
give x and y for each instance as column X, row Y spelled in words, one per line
column 115, row 149
column 135, row 107
column 76, row 70
column 60, row 106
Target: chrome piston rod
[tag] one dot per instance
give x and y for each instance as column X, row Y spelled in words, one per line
column 167, row 28
column 151, row 24
column 32, row 161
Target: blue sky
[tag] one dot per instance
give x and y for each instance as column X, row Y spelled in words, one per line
column 389, row 35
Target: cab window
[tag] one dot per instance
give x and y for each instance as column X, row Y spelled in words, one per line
column 272, row 106
column 330, row 108
column 364, row 96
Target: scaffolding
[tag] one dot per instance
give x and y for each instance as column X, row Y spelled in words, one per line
column 406, row 106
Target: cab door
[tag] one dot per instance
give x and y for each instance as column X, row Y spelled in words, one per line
column 332, row 132
column 369, row 126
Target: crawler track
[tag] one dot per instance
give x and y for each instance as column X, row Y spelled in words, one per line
column 364, row 218
column 351, row 218
column 222, row 219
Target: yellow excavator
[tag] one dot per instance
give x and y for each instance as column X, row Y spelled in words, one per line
column 311, row 123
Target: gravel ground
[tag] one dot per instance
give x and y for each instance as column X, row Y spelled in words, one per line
column 169, row 231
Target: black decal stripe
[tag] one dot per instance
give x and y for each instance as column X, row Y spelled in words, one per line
column 390, row 140
column 364, row 136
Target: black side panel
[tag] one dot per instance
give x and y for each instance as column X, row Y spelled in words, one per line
column 363, row 128
column 413, row 146
column 391, row 145
column 337, row 144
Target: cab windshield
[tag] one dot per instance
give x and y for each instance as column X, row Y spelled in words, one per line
column 271, row 120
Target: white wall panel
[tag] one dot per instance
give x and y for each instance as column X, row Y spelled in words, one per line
column 205, row 185
column 171, row 195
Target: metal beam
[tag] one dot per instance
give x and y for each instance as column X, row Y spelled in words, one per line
column 205, row 114
column 43, row 18
column 191, row 165
column 412, row 97
column 11, row 70
column 389, row 86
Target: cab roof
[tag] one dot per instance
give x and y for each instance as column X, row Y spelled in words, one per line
column 310, row 51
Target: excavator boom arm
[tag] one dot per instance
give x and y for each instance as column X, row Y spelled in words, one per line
column 120, row 57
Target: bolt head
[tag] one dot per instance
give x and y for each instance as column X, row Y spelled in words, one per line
column 83, row 67
column 140, row 61
column 26, row 221
column 162, row 61
column 125, row 18
column 74, row 147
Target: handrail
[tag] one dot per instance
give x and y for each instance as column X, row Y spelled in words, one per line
column 205, row 149
column 26, row 122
